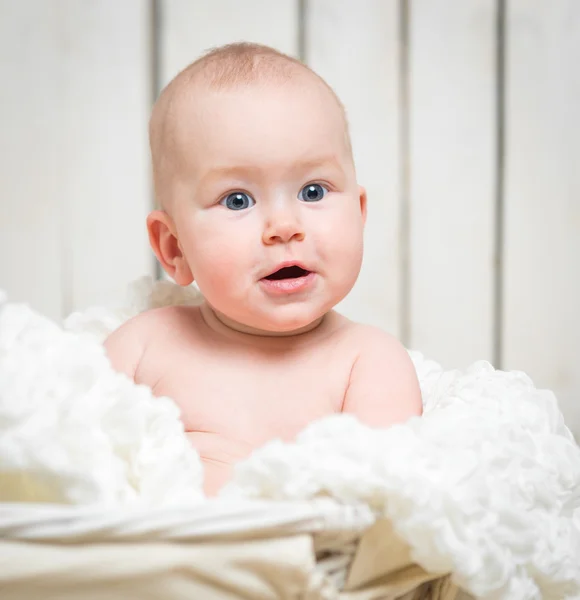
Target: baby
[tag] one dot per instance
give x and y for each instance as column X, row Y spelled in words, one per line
column 260, row 205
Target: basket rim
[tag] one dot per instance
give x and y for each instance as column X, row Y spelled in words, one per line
column 211, row 520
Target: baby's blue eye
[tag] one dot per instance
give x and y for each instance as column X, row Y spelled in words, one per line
column 313, row 192
column 238, row 201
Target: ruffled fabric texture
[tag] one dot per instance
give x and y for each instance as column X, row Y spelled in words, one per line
column 74, row 431
column 486, row 484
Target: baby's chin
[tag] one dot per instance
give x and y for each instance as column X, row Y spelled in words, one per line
column 288, row 329
column 279, row 322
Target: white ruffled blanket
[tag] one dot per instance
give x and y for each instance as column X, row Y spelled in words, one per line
column 485, row 485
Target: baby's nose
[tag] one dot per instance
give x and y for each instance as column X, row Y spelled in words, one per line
column 283, row 228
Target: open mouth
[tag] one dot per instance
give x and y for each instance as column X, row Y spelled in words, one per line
column 293, row 272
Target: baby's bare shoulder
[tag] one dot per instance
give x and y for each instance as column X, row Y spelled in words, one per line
column 365, row 339
column 383, row 387
column 382, row 351
column 158, row 320
column 126, row 345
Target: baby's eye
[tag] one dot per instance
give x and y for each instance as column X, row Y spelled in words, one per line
column 238, row 201
column 312, row 192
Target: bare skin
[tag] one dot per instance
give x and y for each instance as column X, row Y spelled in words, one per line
column 237, row 391
column 261, row 207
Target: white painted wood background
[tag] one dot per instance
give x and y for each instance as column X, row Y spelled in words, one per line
column 465, row 120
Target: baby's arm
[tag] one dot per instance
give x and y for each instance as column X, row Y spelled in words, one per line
column 126, row 345
column 383, row 388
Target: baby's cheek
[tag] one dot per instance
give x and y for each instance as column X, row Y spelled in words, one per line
column 214, row 270
column 341, row 245
column 217, row 266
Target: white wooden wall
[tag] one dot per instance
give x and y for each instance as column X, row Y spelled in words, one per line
column 469, row 149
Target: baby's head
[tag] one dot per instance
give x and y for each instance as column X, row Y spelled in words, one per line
column 254, row 175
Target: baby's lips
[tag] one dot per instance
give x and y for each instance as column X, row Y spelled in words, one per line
column 287, row 286
column 287, row 265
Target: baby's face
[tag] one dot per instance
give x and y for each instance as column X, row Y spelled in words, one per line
column 266, row 205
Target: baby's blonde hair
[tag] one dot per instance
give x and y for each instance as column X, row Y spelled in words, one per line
column 243, row 63
column 223, row 67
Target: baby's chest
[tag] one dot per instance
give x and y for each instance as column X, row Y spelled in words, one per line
column 254, row 399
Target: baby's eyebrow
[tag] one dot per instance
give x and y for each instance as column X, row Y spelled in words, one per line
column 316, row 163
column 254, row 171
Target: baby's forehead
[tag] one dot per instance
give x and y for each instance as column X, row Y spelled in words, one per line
column 196, row 95
column 198, row 110
column 284, row 119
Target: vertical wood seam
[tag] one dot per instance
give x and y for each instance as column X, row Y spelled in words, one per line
column 405, row 175
column 65, row 242
column 302, row 43
column 155, row 16
column 499, row 192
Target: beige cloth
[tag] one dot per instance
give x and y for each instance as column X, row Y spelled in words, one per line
column 263, row 569
column 383, row 568
column 317, row 552
column 267, row 569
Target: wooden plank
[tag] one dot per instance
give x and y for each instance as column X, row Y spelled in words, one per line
column 190, row 27
column 354, row 46
column 452, row 181
column 542, row 198
column 105, row 182
column 30, row 227
column 74, row 151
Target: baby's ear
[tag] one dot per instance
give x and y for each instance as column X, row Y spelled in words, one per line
column 164, row 242
column 362, row 194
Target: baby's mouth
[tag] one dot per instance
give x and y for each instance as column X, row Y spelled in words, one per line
column 293, row 272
